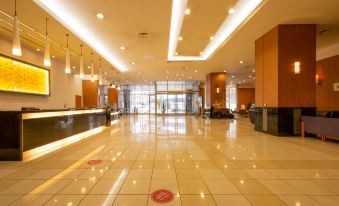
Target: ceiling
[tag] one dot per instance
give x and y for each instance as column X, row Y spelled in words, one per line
column 125, row 18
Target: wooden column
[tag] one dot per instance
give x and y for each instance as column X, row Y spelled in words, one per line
column 113, row 96
column 214, row 81
column 280, row 92
column 90, row 93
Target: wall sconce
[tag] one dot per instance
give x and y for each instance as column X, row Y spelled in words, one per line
column 218, row 90
column 296, row 67
column 318, row 79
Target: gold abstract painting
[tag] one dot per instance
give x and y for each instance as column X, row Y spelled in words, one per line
column 17, row 76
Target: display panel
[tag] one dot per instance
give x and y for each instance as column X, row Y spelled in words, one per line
column 21, row 77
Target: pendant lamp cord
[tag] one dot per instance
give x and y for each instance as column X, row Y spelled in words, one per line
column 14, row 7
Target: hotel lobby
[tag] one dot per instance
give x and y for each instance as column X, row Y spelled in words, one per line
column 169, row 102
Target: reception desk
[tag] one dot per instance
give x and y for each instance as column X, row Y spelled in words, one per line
column 26, row 135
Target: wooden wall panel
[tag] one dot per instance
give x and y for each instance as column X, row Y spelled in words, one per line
column 202, row 94
column 212, row 82
column 270, row 80
column 326, row 98
column 90, row 93
column 113, row 96
column 245, row 96
column 259, row 70
column 297, row 43
column 78, row 101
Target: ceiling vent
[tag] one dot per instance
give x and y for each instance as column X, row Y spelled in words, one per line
column 144, row 35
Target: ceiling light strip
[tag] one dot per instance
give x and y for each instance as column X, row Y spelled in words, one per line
column 178, row 13
column 244, row 10
column 65, row 17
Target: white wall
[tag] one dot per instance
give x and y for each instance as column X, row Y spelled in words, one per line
column 327, row 52
column 63, row 87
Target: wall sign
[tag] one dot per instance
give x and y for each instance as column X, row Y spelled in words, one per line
column 336, row 87
column 21, row 77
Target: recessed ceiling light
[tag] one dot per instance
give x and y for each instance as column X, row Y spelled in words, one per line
column 89, row 67
column 139, row 72
column 241, row 62
column 250, row 76
column 176, row 53
column 231, row 11
column 232, row 76
column 225, row 71
column 211, row 37
column 53, row 56
column 182, row 75
column 122, row 48
column 177, row 74
column 253, row 70
column 38, row 49
column 180, row 38
column 167, row 71
column 190, row 77
column 253, row 77
column 73, row 67
column 100, row 16
column 133, row 63
column 196, row 71
column 201, row 53
column 187, row 11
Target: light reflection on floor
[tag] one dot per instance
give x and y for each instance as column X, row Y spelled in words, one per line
column 203, row 162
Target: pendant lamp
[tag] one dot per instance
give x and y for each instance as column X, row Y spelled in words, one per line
column 67, row 64
column 16, row 49
column 81, row 63
column 47, row 57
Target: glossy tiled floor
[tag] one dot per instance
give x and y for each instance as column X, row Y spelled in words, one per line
column 203, row 162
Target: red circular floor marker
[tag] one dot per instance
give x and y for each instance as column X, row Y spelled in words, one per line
column 162, row 196
column 94, row 162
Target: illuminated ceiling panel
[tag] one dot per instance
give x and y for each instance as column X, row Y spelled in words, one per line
column 244, row 9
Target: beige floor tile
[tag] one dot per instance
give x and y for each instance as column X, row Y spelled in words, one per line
column 188, row 174
column 32, row 200
column 280, row 187
column 143, row 164
column 50, row 187
column 164, row 174
column 128, row 200
column 327, row 200
column 308, row 187
column 92, row 172
column 103, row 200
column 330, row 185
column 299, row 200
column 45, row 174
column 121, row 164
column 167, row 184
column 236, row 174
column 234, row 200
column 211, row 174
column 264, row 200
column 135, row 187
column 115, row 174
column 250, row 187
column 221, row 186
column 7, row 199
column 78, row 187
column 163, row 164
column 69, row 200
column 22, row 187
column 285, row 174
column 107, row 186
column 140, row 174
column 261, row 174
column 197, row 200
column 188, row 186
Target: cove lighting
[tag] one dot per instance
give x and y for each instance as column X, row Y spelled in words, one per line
column 65, row 16
column 244, row 10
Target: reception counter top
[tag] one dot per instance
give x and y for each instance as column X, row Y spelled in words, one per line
column 28, row 134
